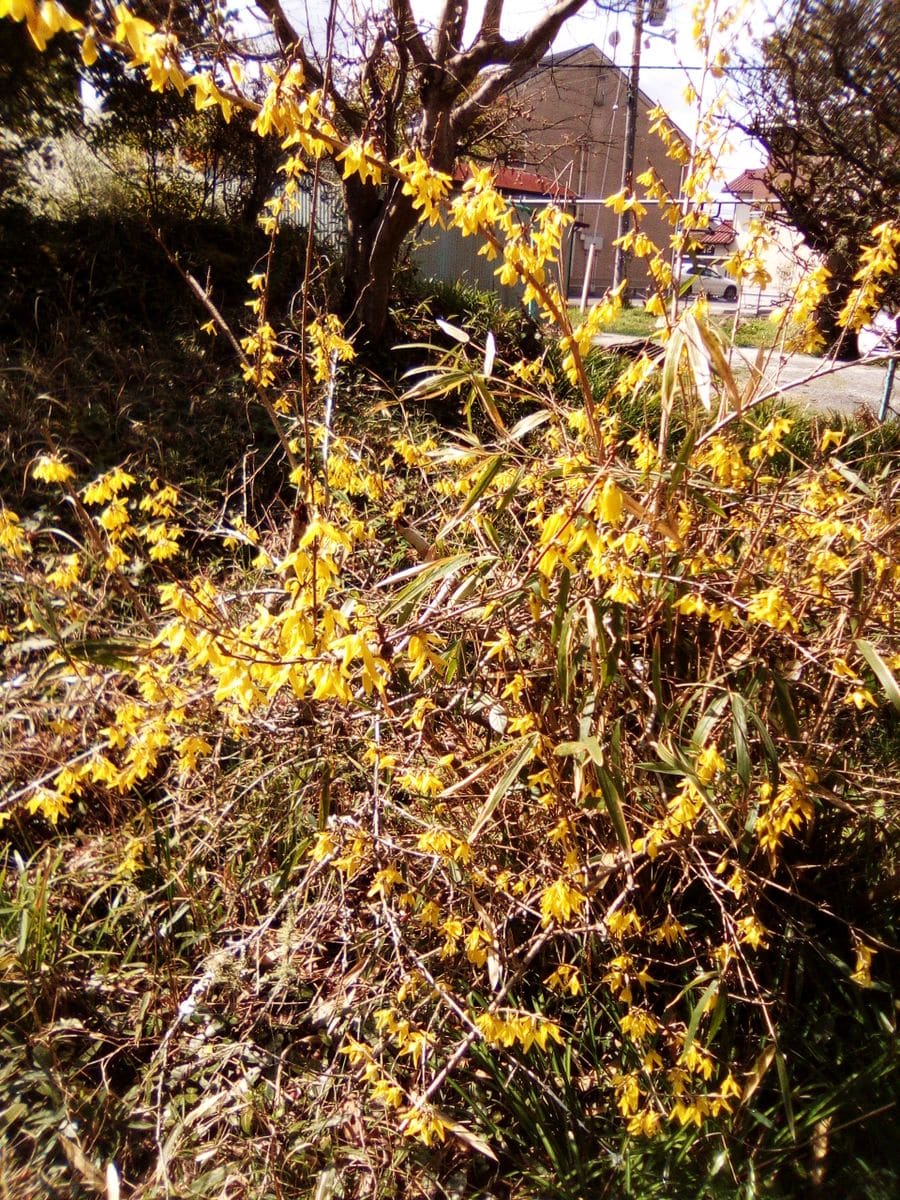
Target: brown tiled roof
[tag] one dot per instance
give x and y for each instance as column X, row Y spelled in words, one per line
column 722, row 235
column 524, row 183
column 752, row 183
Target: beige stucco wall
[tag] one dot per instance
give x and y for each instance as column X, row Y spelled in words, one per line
column 785, row 257
column 570, row 121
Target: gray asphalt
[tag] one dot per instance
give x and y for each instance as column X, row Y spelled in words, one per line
column 827, row 386
column 814, row 382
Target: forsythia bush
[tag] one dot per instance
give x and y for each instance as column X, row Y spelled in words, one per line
column 594, row 721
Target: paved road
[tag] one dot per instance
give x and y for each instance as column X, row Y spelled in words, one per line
column 845, row 388
column 838, row 387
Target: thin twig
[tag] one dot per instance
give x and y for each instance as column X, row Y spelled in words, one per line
column 203, row 296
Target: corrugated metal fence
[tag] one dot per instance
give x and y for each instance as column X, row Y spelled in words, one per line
column 445, row 255
column 331, row 219
column 439, row 254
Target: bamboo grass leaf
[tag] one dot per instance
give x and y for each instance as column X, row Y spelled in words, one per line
column 882, row 671
column 785, row 1085
column 504, row 784
column 697, row 1013
column 453, row 331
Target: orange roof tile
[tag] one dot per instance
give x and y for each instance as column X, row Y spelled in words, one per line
column 512, row 179
column 751, row 182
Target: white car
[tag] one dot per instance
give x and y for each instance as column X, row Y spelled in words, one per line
column 711, row 282
column 880, row 336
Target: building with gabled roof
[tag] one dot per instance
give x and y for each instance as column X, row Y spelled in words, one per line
column 568, row 116
column 751, row 186
column 750, row 198
column 718, row 238
column 565, row 126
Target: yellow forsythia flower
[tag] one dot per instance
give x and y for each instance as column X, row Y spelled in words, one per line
column 51, row 468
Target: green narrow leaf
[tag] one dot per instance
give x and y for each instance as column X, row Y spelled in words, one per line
column 490, row 532
column 719, row 1011
column 421, row 577
column 684, row 457
column 786, row 706
column 785, row 1085
column 528, row 424
column 106, row 652
column 439, row 383
column 565, row 578
column 24, row 929
column 764, row 736
column 758, row 1073
column 464, row 588
column 882, row 670
column 656, row 675
column 494, row 464
column 503, row 784
column 593, row 749
column 511, row 491
column 452, row 659
column 570, row 750
column 669, row 379
column 490, row 405
column 698, row 1011
column 741, row 743
column 589, row 746
column 615, row 745
column 709, row 720
column 596, row 640
column 613, row 802
column 851, row 477
column 563, row 672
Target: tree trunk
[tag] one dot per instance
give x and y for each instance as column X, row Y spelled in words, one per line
column 379, row 220
column 842, row 284
column 377, row 226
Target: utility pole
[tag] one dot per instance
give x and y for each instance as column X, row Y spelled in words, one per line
column 656, row 15
column 630, row 132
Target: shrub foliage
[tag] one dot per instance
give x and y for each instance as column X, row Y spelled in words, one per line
column 518, row 815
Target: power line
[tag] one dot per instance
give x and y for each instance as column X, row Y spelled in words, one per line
column 658, row 67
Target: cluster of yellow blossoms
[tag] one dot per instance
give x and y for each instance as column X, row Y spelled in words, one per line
column 510, row 692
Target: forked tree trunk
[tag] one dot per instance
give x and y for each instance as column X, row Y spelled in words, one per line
column 454, row 87
column 843, row 271
column 377, row 225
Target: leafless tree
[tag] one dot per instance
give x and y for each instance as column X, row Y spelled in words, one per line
column 408, row 84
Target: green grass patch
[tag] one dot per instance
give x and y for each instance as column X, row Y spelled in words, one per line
column 751, row 331
column 631, row 322
column 636, row 322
